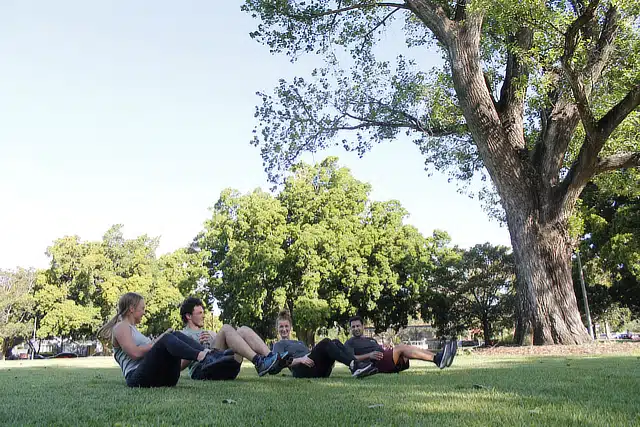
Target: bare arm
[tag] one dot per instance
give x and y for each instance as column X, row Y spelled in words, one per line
column 304, row 360
column 374, row 355
column 124, row 340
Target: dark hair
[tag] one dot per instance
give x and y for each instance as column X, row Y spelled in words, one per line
column 354, row 318
column 188, row 305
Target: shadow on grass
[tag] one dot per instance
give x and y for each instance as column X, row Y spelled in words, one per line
column 550, row 391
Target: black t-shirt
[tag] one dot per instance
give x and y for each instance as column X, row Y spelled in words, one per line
column 362, row 345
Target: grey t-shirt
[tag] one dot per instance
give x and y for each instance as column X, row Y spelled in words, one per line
column 195, row 334
column 362, row 345
column 295, row 348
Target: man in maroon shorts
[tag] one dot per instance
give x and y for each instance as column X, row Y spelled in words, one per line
column 395, row 359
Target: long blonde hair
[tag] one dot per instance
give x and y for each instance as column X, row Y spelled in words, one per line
column 130, row 299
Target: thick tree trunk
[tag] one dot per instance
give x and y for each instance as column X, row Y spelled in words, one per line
column 546, row 303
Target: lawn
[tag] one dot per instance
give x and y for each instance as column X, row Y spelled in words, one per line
column 476, row 391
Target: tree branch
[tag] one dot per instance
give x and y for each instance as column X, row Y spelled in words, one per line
column 599, row 56
column 434, row 17
column 382, row 22
column 574, row 78
column 586, row 164
column 361, row 6
column 607, row 124
column 618, row 161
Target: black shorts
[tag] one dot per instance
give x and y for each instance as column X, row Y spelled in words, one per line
column 220, row 372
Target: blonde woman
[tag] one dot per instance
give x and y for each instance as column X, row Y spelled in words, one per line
column 151, row 363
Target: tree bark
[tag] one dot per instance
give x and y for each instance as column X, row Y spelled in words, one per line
column 546, row 303
column 486, row 329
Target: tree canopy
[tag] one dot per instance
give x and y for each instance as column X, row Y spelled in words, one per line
column 538, row 96
column 320, row 248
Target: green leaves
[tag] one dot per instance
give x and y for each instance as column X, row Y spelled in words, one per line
column 320, row 248
column 80, row 290
column 472, row 288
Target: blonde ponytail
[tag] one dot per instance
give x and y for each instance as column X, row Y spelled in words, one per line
column 130, row 299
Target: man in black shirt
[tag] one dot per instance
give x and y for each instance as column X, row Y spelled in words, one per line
column 317, row 362
column 397, row 358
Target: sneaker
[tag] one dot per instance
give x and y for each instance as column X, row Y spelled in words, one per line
column 443, row 356
column 362, row 369
column 214, row 358
column 454, row 350
column 264, row 364
column 284, row 361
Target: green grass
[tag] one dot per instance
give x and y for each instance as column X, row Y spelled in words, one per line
column 476, row 391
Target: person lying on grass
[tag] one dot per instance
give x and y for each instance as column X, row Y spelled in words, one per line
column 396, row 359
column 152, row 363
column 317, row 363
column 243, row 342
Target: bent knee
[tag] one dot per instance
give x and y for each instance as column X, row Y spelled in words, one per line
column 244, row 329
column 227, row 328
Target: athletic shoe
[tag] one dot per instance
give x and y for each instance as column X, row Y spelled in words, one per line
column 454, row 350
column 362, row 369
column 443, row 356
column 284, row 361
column 264, row 364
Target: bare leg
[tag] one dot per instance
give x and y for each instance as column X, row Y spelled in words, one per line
column 411, row 352
column 255, row 342
column 228, row 337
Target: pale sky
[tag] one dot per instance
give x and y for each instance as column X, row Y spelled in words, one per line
column 140, row 113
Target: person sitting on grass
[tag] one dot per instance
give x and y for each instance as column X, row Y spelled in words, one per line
column 152, row 363
column 396, row 359
column 243, row 342
column 317, row 363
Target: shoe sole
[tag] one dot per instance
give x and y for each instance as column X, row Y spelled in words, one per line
column 365, row 372
column 454, row 350
column 266, row 371
column 281, row 363
column 446, row 354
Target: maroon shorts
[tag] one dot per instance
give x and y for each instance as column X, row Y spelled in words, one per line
column 386, row 365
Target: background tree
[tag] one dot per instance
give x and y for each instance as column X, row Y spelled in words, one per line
column 320, row 248
column 542, row 96
column 80, row 289
column 243, row 242
column 609, row 218
column 487, row 287
column 16, row 307
column 472, row 288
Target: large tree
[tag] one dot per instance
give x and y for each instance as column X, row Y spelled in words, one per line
column 81, row 288
column 16, row 307
column 540, row 95
column 320, row 248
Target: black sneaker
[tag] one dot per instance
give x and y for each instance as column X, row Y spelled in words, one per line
column 454, row 350
column 264, row 364
column 214, row 358
column 362, row 369
column 443, row 356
